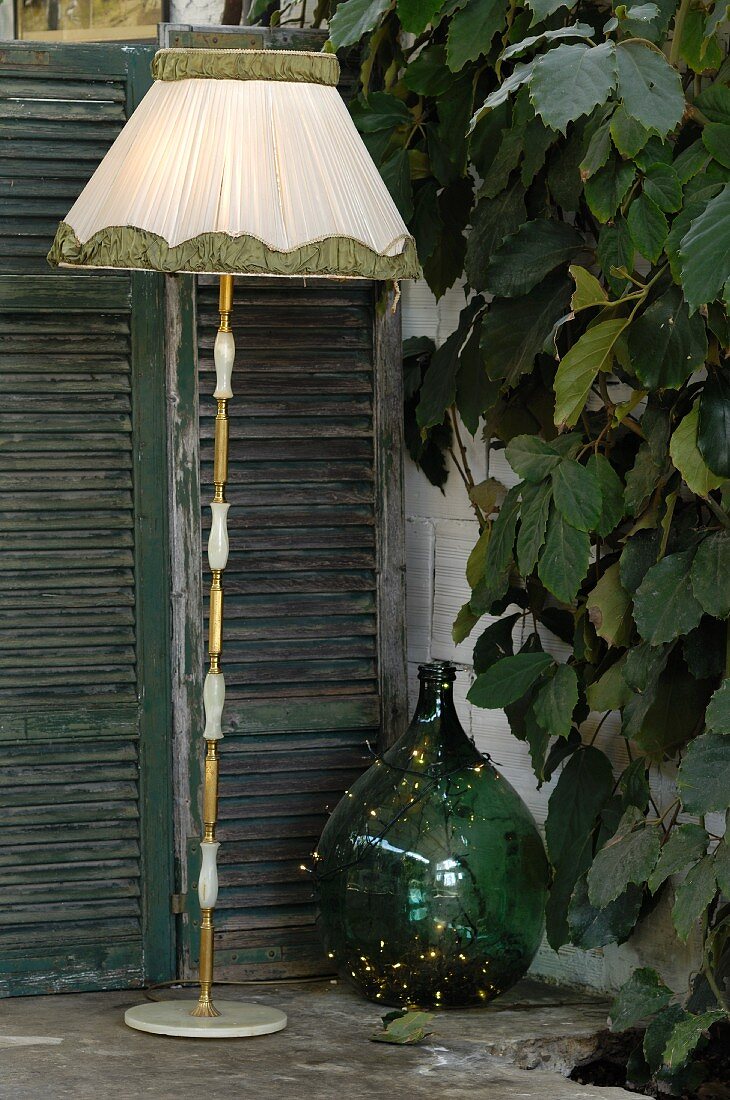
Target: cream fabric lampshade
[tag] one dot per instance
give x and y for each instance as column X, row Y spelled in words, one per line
column 239, row 161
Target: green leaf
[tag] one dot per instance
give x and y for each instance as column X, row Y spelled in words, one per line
column 609, row 608
column 701, row 51
column 612, row 494
column 591, row 927
column 710, row 575
column 514, row 330
column 704, row 250
column 488, row 494
column 634, row 785
column 642, row 995
column 690, row 161
column 713, row 430
column 648, row 227
column 606, row 190
column 717, row 717
column 531, row 457
column 662, row 185
column 564, row 560
column 687, row 458
column 438, row 391
column 492, row 221
column 409, row 1027
column 475, row 393
column 477, row 558
column 640, row 552
column 685, row 845
column 666, row 345
column 533, row 524
column 628, row 857
column 379, row 111
column 714, row 100
column 577, row 371
column 527, row 256
column 396, row 173
column 507, row 681
column 578, row 30
column 686, row 1036
column 650, row 88
column 471, row 31
column 671, row 718
column 664, row 605
column 693, row 895
column 629, row 136
column 415, row 15
column 428, row 74
column 615, row 249
column 501, row 543
column 464, row 623
column 494, row 643
column 597, row 153
column 556, row 700
column 704, row 775
column 570, row 81
column 577, row 494
column 588, row 291
column 541, row 9
column 579, row 795
column 610, row 692
column 355, row 18
column 657, row 1034
column 520, row 75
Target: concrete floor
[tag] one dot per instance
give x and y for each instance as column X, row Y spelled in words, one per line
column 76, row 1047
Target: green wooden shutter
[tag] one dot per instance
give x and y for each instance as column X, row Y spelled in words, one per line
column 85, row 862
column 313, row 635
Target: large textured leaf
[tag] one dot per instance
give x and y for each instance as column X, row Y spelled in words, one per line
column 578, row 30
column 501, row 543
column 492, row 221
column 612, row 494
column 541, row 9
column 704, row 252
column 704, row 775
column 657, row 1034
column 531, row 457
column 671, row 719
column 438, row 391
column 508, row 680
column 606, row 190
column 579, row 367
column 688, row 459
column 662, row 185
column 528, row 255
column 588, row 291
column 564, row 559
column 415, row 15
column 514, row 330
column 610, row 692
column 533, row 525
column 628, row 857
column 686, row 844
column 666, row 345
column 713, row 431
column 687, row 1034
column 648, row 227
column 475, row 393
column 717, row 717
column 609, row 608
column 577, row 494
column 570, row 81
column 650, row 88
column 664, row 605
column 471, row 31
column 355, row 18
column 396, row 173
column 642, row 995
column 494, row 643
column 579, row 795
column 380, row 111
column 591, row 927
column 641, row 480
column 629, row 136
column 710, row 574
column 556, row 700
column 693, row 895
column 615, row 250
column 520, row 75
column 597, row 153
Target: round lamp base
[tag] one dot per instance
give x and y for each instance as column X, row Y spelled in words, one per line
column 237, row 1020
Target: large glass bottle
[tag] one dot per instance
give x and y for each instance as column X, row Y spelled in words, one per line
column 431, row 873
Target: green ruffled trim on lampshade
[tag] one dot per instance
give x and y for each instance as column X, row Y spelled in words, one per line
column 290, row 65
column 213, row 253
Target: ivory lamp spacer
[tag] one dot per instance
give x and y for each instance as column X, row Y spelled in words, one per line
column 237, row 1020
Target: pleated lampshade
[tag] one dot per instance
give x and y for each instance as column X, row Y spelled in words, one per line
column 239, row 161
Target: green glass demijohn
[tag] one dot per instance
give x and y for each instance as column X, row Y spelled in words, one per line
column 431, row 874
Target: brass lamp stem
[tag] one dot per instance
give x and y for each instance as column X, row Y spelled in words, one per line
column 208, row 886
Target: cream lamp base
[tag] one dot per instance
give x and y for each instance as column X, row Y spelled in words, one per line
column 236, row 1021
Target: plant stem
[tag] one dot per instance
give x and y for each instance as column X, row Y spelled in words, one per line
column 717, row 511
column 463, row 466
column 677, row 33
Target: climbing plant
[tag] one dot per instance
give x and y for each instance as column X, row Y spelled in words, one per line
column 570, row 162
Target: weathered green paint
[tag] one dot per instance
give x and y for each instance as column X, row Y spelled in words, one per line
column 84, row 661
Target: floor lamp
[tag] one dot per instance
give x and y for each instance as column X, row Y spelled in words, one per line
column 235, row 162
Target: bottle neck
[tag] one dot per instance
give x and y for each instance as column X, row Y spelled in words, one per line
column 435, row 736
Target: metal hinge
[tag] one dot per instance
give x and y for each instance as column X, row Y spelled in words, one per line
column 177, row 903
